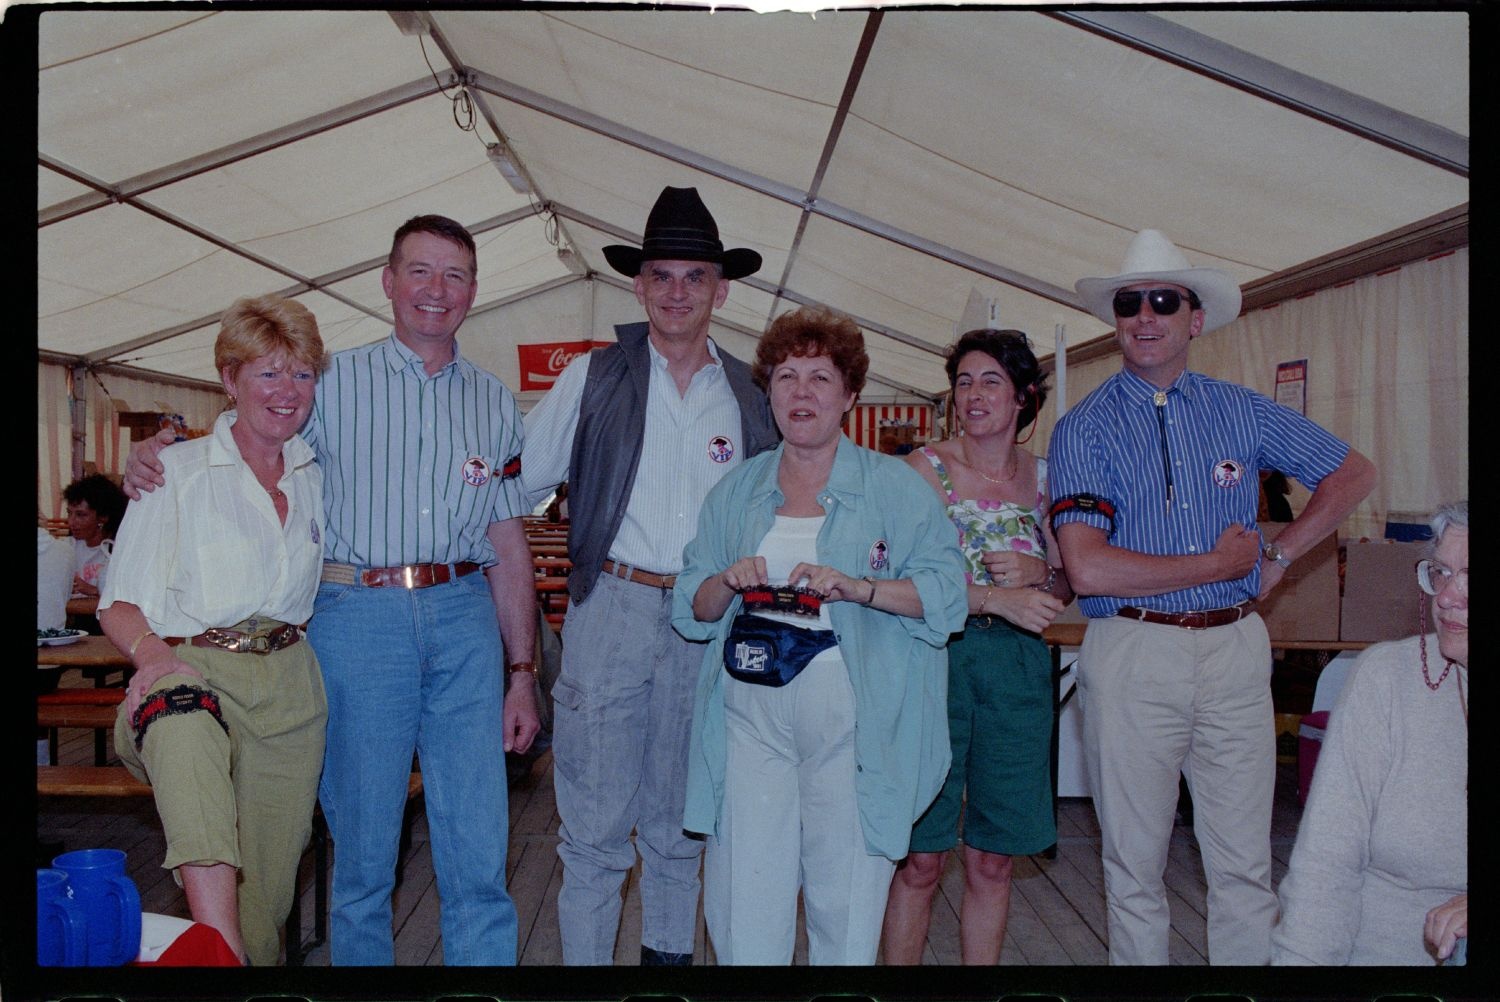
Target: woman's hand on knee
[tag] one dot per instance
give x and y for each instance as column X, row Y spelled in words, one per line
column 148, row 674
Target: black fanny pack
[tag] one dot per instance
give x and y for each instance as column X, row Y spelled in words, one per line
column 766, row 652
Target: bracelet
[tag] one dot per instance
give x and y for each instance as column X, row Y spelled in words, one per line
column 1051, row 580
column 985, row 601
column 871, row 600
column 136, row 643
column 521, row 667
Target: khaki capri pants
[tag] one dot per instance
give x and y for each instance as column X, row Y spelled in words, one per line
column 245, row 797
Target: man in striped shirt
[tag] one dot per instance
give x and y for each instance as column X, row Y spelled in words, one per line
column 1155, row 487
column 420, row 451
column 640, row 430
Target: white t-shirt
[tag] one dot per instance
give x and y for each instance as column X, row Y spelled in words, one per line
column 54, row 580
column 92, row 561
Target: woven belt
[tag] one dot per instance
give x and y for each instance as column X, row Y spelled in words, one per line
column 1190, row 620
column 635, row 574
column 238, row 642
column 407, row 576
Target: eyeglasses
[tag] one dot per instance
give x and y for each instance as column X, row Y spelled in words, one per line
column 1164, row 302
column 1433, row 577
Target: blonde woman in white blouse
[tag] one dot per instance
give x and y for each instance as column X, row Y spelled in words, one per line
column 212, row 578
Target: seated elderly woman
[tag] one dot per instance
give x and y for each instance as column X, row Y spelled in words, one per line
column 826, row 579
column 1380, row 871
column 212, row 578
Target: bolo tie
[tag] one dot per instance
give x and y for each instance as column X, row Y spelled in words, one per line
column 1160, row 400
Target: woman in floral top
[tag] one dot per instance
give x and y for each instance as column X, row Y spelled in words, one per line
column 1000, row 687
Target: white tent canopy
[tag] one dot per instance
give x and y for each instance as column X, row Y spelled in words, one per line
column 892, row 164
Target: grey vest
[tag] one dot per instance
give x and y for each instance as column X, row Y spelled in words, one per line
column 607, row 445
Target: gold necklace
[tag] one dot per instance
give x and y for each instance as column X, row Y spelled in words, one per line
column 1014, row 463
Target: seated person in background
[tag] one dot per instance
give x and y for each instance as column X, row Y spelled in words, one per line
column 213, row 577
column 95, row 507
column 54, row 583
column 1380, row 871
column 54, row 580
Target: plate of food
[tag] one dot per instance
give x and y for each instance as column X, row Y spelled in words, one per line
column 57, row 637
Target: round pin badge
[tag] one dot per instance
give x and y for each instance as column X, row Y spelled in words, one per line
column 476, row 472
column 878, row 556
column 1228, row 473
column 720, row 449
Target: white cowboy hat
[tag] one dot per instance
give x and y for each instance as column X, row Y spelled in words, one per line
column 1153, row 258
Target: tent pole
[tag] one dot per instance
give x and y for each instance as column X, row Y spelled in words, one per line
column 77, row 417
column 1060, row 369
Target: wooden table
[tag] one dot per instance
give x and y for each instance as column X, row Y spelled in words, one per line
column 88, row 652
column 97, row 658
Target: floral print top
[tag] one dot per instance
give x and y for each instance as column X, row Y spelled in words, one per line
column 993, row 525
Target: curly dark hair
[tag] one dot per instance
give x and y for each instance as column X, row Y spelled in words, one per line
column 441, row 226
column 812, row 331
column 1013, row 351
column 99, row 493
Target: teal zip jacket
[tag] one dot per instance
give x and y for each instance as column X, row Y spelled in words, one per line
column 883, row 521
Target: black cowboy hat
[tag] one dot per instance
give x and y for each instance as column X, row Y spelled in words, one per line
column 680, row 228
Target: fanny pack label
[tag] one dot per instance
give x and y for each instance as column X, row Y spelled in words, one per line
column 763, row 651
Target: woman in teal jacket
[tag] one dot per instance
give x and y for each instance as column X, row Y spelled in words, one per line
column 811, row 780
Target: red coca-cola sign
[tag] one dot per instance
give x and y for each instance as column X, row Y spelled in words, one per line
column 541, row 363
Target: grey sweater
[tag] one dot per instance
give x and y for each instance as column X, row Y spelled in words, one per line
column 1384, row 837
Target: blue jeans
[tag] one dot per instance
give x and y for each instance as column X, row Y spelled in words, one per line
column 419, row 671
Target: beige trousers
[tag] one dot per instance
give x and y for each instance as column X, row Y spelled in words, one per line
column 1157, row 700
column 246, row 797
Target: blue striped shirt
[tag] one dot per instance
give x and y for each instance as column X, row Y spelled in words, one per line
column 1219, row 436
column 414, row 466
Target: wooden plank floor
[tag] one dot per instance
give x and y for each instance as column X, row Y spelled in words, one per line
column 1057, row 905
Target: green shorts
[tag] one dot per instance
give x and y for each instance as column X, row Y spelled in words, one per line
column 1000, row 707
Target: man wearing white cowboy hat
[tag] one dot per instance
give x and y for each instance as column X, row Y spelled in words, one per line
column 640, row 431
column 1155, row 488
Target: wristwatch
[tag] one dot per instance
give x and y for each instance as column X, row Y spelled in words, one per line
column 1273, row 551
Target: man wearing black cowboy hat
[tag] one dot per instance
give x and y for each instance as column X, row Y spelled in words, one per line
column 1155, row 492
column 640, row 431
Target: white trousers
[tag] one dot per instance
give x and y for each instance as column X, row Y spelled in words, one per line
column 790, row 821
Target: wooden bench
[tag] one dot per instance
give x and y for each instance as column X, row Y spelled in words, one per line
column 116, row 781
column 81, row 708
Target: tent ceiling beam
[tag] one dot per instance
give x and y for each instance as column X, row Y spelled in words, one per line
column 774, row 189
column 835, row 128
column 1273, row 82
column 108, row 194
column 320, row 283
column 782, row 292
column 536, row 290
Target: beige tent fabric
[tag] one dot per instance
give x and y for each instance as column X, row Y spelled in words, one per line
column 1387, row 371
column 105, row 442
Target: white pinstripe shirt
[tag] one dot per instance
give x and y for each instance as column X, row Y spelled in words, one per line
column 399, row 449
column 677, row 466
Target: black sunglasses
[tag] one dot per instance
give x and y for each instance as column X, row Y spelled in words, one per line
column 1164, row 302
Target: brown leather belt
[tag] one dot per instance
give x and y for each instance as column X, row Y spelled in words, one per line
column 1190, row 620
column 237, row 642
column 635, row 574
column 407, row 576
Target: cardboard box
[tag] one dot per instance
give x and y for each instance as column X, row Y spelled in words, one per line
column 1380, row 591
column 1305, row 606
